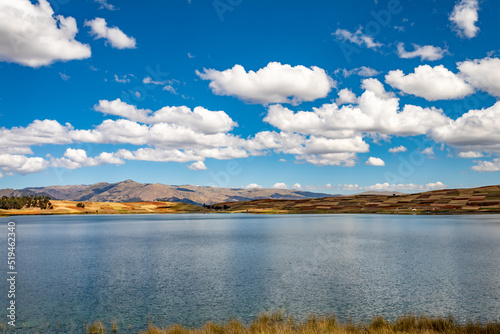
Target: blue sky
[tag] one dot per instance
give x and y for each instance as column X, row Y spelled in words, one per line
column 330, row 96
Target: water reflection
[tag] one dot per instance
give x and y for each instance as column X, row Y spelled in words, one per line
column 195, row 268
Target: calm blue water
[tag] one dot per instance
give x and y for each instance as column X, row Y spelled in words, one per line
column 190, row 269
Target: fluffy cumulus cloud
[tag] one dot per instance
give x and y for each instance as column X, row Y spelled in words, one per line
column 398, row 149
column 333, row 134
column 77, row 158
column 426, row 52
column 431, row 83
column 483, row 74
column 20, row 164
column 476, row 130
column 428, row 151
column 198, row 165
column 19, row 139
column 169, row 134
column 392, row 187
column 253, row 186
column 470, row 154
column 356, row 38
column 464, row 18
column 275, row 83
column 316, row 150
column 346, row 96
column 376, row 111
column 487, row 166
column 280, row 185
column 199, row 119
column 372, row 161
column 31, row 35
column 99, row 28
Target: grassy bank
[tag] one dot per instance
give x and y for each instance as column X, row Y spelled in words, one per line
column 277, row 323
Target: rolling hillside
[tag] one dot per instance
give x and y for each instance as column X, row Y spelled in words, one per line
column 449, row 201
column 130, row 191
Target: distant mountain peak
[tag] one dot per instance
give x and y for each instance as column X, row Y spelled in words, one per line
column 131, row 191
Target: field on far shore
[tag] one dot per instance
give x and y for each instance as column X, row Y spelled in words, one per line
column 446, row 201
column 69, row 207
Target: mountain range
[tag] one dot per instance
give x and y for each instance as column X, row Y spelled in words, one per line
column 130, row 191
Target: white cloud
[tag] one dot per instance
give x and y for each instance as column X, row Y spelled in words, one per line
column 36, row 133
column 297, row 186
column 426, row 52
column 275, row 83
column 372, row 161
column 280, row 185
column 476, row 130
column 161, row 135
column 321, row 145
column 21, row 164
column 362, row 71
column 357, row 38
column 376, row 112
column 198, row 165
column 31, row 35
column 65, row 77
column 393, row 187
column 105, row 4
column 398, row 149
column 77, row 158
column 123, row 79
column 483, row 74
column 170, row 88
column 333, row 135
column 160, row 155
column 428, row 151
column 346, row 96
column 470, row 154
column 167, row 85
column 316, row 150
column 330, row 159
column 253, row 186
column 149, row 80
column 99, row 28
column 464, row 17
column 431, row 83
column 199, row 119
column 487, row 166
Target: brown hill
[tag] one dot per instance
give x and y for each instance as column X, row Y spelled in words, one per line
column 450, row 201
column 130, row 191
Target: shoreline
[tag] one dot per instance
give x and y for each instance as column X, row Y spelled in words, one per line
column 483, row 200
column 279, row 322
column 2, row 215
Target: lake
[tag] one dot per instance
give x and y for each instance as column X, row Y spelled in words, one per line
column 190, row 269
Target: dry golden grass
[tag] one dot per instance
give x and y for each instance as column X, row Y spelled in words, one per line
column 95, row 328
column 69, row 207
column 277, row 323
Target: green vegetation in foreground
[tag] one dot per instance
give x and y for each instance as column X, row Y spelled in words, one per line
column 278, row 323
